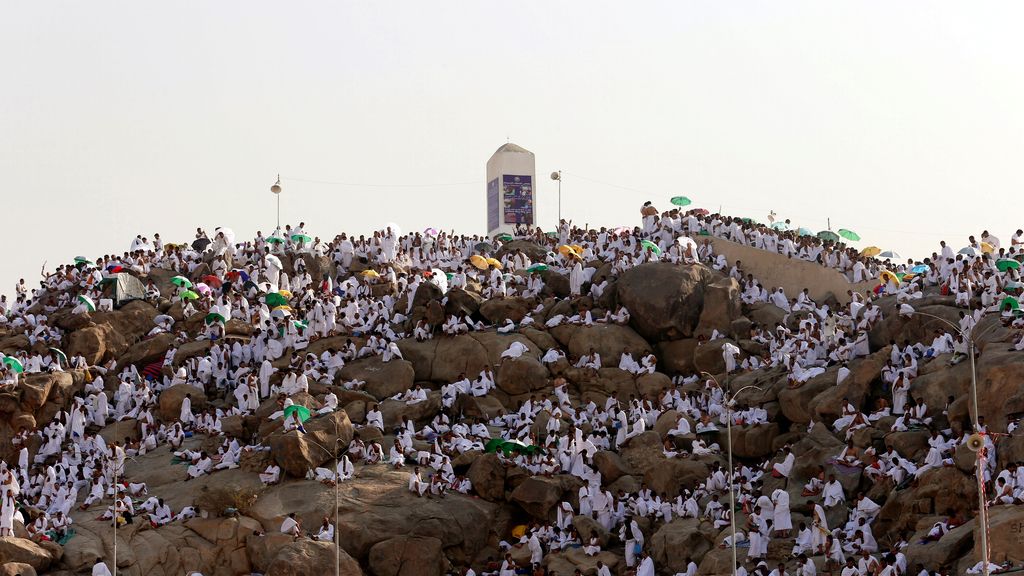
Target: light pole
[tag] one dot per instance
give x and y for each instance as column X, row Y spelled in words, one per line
column 337, row 501
column 729, row 398
column 979, row 473
column 276, row 190
column 557, row 175
column 116, row 468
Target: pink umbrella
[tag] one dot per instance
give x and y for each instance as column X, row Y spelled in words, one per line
column 202, row 289
column 430, row 231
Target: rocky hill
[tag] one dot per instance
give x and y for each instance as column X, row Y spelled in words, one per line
column 386, row 530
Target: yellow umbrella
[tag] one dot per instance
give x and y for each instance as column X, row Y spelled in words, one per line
column 286, row 307
column 871, row 251
column 370, row 274
column 886, row 276
column 987, row 248
column 565, row 250
column 285, row 293
column 478, row 261
column 494, row 262
column 577, row 248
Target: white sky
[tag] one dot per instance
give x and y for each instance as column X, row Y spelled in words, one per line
column 900, row 120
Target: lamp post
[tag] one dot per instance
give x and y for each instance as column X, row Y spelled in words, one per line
column 557, row 176
column 982, row 510
column 337, row 514
column 115, row 469
column 276, row 190
column 729, row 398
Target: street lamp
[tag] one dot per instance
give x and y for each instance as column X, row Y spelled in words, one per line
column 337, row 483
column 729, row 400
column 117, row 468
column 276, row 190
column 982, row 509
column 557, row 175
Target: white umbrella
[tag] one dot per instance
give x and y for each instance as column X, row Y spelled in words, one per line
column 394, row 228
column 274, row 261
column 440, row 279
column 163, row 318
column 970, row 251
column 890, row 255
column 229, row 235
column 280, row 313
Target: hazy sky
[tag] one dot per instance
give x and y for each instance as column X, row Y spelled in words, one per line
column 900, row 120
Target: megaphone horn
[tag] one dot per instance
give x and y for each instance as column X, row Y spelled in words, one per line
column 976, row 442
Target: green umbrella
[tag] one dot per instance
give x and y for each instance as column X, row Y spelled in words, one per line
column 88, row 302
column 849, row 234
column 537, row 268
column 648, row 244
column 1004, row 264
column 780, row 226
column 181, row 281
column 1009, row 303
column 60, row 354
column 551, row 234
column 302, row 410
column 214, row 317
column 828, row 235
column 493, row 444
column 748, row 220
column 14, row 364
column 680, row 201
column 301, row 324
column 804, row 232
column 274, row 300
column 275, row 240
column 301, row 238
column 82, row 260
column 189, row 295
column 504, row 238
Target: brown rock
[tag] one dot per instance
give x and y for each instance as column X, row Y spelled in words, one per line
column 408, row 556
column 487, row 475
column 170, row 401
column 664, row 300
column 521, row 375
column 383, row 379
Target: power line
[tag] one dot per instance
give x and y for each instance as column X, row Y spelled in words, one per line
column 376, row 185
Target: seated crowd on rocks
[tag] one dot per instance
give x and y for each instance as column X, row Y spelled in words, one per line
column 285, row 331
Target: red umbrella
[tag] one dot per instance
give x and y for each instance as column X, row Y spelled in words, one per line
column 212, row 280
column 699, row 211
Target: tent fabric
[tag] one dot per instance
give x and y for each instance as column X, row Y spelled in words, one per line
column 123, row 288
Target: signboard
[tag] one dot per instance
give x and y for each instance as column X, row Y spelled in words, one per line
column 493, row 205
column 517, row 201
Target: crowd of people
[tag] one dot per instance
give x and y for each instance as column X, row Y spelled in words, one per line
column 268, row 283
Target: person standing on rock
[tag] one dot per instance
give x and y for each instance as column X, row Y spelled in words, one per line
column 646, row 567
column 100, row 568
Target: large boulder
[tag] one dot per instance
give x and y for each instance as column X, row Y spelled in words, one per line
column 304, row 557
column 169, row 408
column 497, row 310
column 408, row 556
column 664, row 300
column 299, row 453
column 383, row 379
column 487, row 475
column 608, row 340
column 676, row 356
column 720, row 308
column 538, row 495
column 678, row 540
column 148, row 350
column 25, row 551
column 521, row 375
